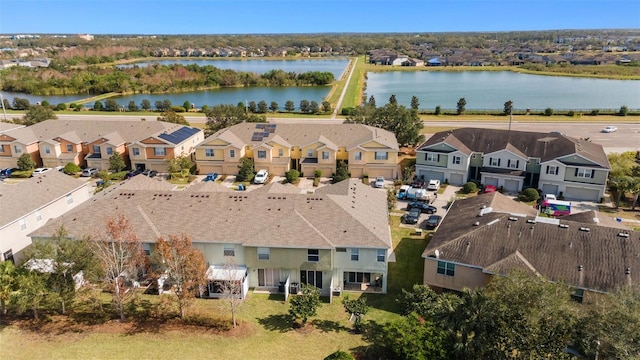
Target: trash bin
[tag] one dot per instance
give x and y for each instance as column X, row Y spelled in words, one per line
column 281, row 286
column 293, row 288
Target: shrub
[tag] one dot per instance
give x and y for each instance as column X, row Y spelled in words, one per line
column 292, row 176
column 469, row 188
column 317, row 173
column 623, row 111
column 438, row 110
column 316, row 182
column 529, row 194
column 548, row 111
column 178, row 109
column 595, row 112
column 61, row 106
column 71, row 169
column 571, row 113
column 348, row 111
column 25, row 162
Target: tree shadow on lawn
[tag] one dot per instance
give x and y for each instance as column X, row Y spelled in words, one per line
column 277, row 322
column 326, row 326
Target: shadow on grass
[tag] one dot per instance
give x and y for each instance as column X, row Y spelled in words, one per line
column 326, row 326
column 278, row 322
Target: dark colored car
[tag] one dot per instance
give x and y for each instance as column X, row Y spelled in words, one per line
column 423, row 206
column 132, row 173
column 211, row 177
column 6, row 172
column 150, row 173
column 411, row 217
column 433, row 221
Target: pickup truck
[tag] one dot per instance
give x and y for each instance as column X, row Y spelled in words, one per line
column 410, row 193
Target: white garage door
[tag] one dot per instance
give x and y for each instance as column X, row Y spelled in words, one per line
column 511, row 186
column 456, row 179
column 385, row 173
column 431, row 175
column 550, row 189
column 573, row 193
column 491, row 181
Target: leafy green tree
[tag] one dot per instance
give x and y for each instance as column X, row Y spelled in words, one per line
column 116, row 162
column 314, row 108
column 438, row 110
column 404, row 123
column 223, row 116
column 289, row 106
column 460, row 106
column 340, row 355
column 8, row 281
column 172, row 117
column 624, row 110
column 36, row 114
column 181, row 165
column 357, row 308
column 273, row 107
column 372, row 101
column 529, row 194
column 305, row 305
column 61, row 107
column 508, row 107
column 132, row 106
column 71, row 169
column 412, row 337
column 304, row 106
column 548, row 111
column 25, row 162
column 253, row 107
column 159, row 104
column 20, row 104
column 145, row 104
column 393, row 100
column 415, row 103
column 262, row 107
column 45, row 103
column 245, row 173
column 342, row 172
column 326, row 107
column 292, row 176
column 6, row 104
column 186, row 105
column 97, row 106
column 470, row 187
column 31, row 293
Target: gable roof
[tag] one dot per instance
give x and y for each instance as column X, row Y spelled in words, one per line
column 25, row 197
column 179, row 135
column 499, row 242
column 545, row 146
column 349, row 214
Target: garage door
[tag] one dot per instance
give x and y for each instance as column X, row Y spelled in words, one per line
column 511, row 186
column 431, row 175
column 574, row 193
column 456, row 179
column 357, row 173
column 279, row 170
column 386, row 173
column 491, row 181
column 550, row 189
column 205, row 169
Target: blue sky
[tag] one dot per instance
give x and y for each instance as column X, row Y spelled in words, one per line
column 311, row 16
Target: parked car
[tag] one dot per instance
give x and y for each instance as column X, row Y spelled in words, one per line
column 489, row 189
column 433, row 185
column 261, row 177
column 59, row 168
column 39, row 171
column 89, row 172
column 211, row 177
column 6, row 172
column 379, row 182
column 132, row 173
column 609, row 129
column 422, row 206
column 150, row 173
column 433, row 221
column 411, row 217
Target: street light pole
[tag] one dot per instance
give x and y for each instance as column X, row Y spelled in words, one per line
column 4, row 111
column 510, row 116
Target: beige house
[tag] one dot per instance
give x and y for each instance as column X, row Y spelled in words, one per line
column 29, row 204
column 155, row 151
column 491, row 234
column 279, row 148
column 335, row 239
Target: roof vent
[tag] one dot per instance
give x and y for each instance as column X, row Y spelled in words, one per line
column 531, row 221
column 585, row 229
column 624, row 235
column 477, row 223
column 580, row 267
column 512, row 218
column 627, row 271
column 437, row 253
column 563, row 226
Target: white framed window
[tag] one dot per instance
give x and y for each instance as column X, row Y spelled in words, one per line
column 38, row 216
column 280, row 152
column 446, row 268
column 494, row 161
column 513, row 164
column 229, row 250
column 325, row 155
column 313, row 255
column 456, row 160
column 96, row 149
column 382, row 155
column 47, row 149
column 584, row 173
column 69, row 199
column 355, row 254
column 159, row 151
column 263, row 253
column 431, row 157
column 232, row 153
column 381, row 255
column 262, row 154
column 109, row 150
column 209, row 153
column 69, row 148
column 23, row 224
column 310, row 153
column 17, row 149
column 552, row 170
column 358, row 155
column 146, row 247
column 136, row 151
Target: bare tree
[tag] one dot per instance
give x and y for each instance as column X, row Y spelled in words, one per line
column 120, row 253
column 185, row 267
column 231, row 288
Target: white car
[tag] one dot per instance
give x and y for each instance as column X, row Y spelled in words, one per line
column 39, row 171
column 609, row 129
column 89, row 172
column 261, row 177
column 379, row 182
column 433, row 185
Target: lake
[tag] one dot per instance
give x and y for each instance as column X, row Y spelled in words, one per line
column 491, row 89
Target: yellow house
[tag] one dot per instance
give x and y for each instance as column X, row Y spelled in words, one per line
column 279, row 148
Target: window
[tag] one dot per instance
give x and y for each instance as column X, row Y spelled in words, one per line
column 494, row 162
column 8, row 256
column 310, row 153
column 69, row 199
column 38, row 216
column 456, row 160
column 358, row 155
column 159, row 151
column 584, row 173
column 313, row 255
column 382, row 255
column 552, row 170
column 69, row 148
column 262, row 154
column 109, row 150
column 431, row 157
column 23, row 224
column 17, row 149
column 513, row 164
column 96, row 149
column 146, row 247
column 355, row 254
column 232, row 153
column 47, row 149
column 209, row 153
column 357, row 277
column 310, row 277
column 344, row 250
column 229, row 250
column 325, row 155
column 382, row 155
column 280, row 152
column 578, row 295
column 136, row 151
column 446, row 268
column 263, row 253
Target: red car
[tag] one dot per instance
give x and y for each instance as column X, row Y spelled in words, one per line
column 489, row 189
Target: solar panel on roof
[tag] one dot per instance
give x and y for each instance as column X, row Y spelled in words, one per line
column 179, row 135
column 257, row 136
column 259, row 126
column 265, row 134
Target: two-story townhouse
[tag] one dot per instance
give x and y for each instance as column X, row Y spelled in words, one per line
column 155, row 151
column 29, row 204
column 515, row 160
column 16, row 142
column 279, row 148
column 61, row 150
column 490, row 234
column 337, row 238
column 100, row 150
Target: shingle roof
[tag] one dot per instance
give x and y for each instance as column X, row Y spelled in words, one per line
column 142, row 182
column 544, row 146
column 350, row 215
column 179, row 135
column 20, row 199
column 501, row 242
